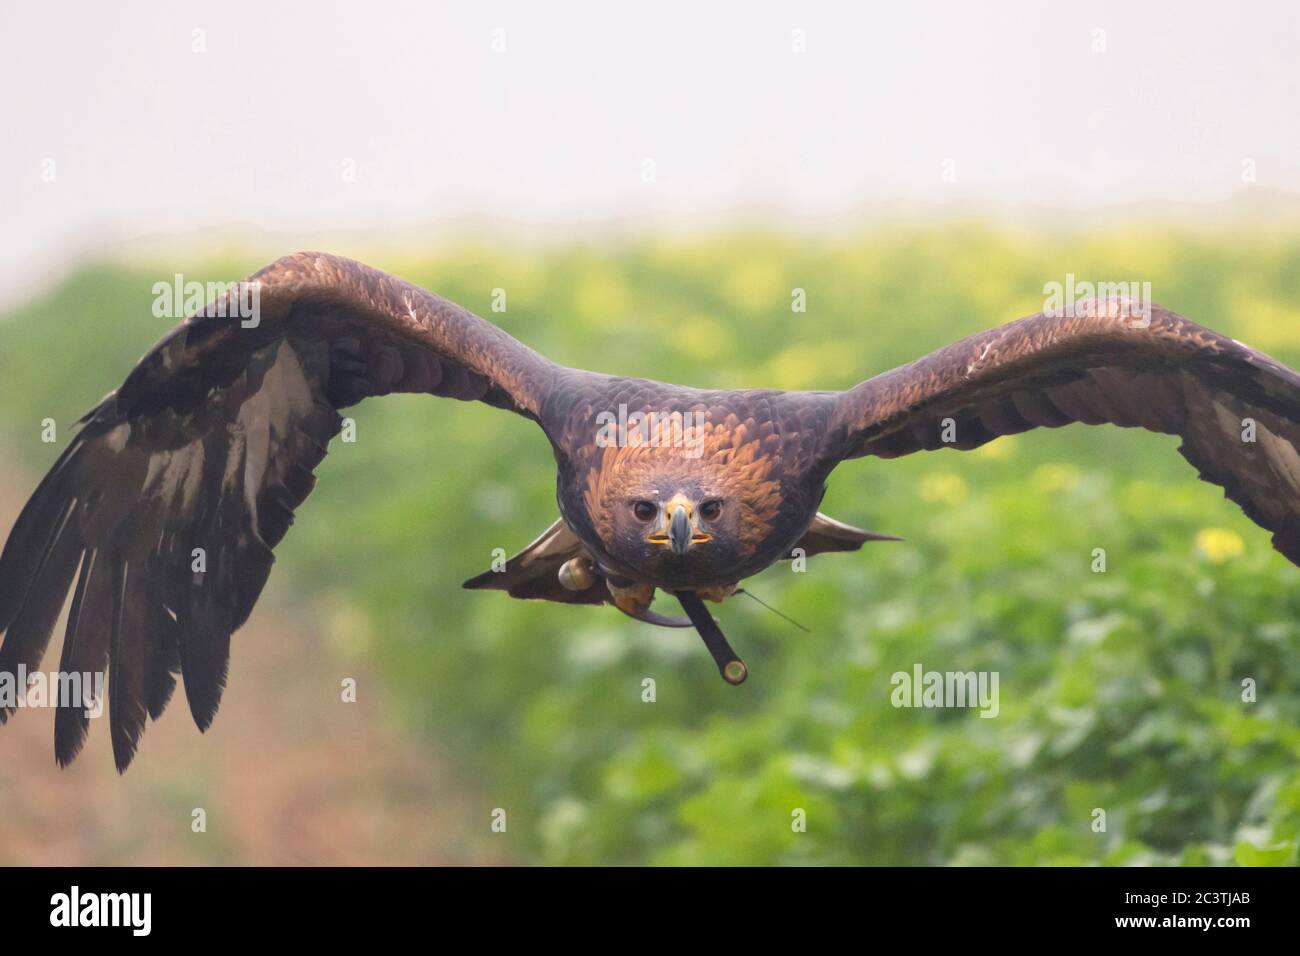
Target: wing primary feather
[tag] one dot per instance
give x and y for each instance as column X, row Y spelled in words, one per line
column 31, row 536
column 85, row 650
column 133, row 641
column 205, row 657
column 165, row 663
column 29, row 635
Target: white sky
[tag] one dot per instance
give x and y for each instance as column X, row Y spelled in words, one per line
column 151, row 139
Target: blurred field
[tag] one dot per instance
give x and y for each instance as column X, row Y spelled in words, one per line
column 1119, row 691
column 290, row 775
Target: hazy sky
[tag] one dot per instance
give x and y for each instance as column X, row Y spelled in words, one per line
column 133, row 119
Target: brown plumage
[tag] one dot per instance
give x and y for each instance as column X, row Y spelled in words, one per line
column 162, row 513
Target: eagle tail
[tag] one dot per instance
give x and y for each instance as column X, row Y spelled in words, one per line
column 826, row 534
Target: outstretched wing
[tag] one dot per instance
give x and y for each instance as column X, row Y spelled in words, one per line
column 166, row 505
column 1236, row 410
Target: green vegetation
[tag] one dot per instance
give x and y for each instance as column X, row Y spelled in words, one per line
column 1119, row 690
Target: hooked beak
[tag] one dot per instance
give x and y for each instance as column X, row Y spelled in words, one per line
column 678, row 530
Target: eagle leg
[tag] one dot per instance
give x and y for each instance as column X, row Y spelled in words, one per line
column 730, row 666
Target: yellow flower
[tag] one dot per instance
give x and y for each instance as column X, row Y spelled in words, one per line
column 943, row 488
column 1219, row 544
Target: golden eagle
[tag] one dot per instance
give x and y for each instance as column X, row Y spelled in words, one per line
column 211, row 442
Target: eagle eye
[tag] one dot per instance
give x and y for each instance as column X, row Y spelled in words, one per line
column 644, row 510
column 711, row 509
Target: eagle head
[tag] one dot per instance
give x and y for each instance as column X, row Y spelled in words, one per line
column 675, row 533
column 678, row 519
